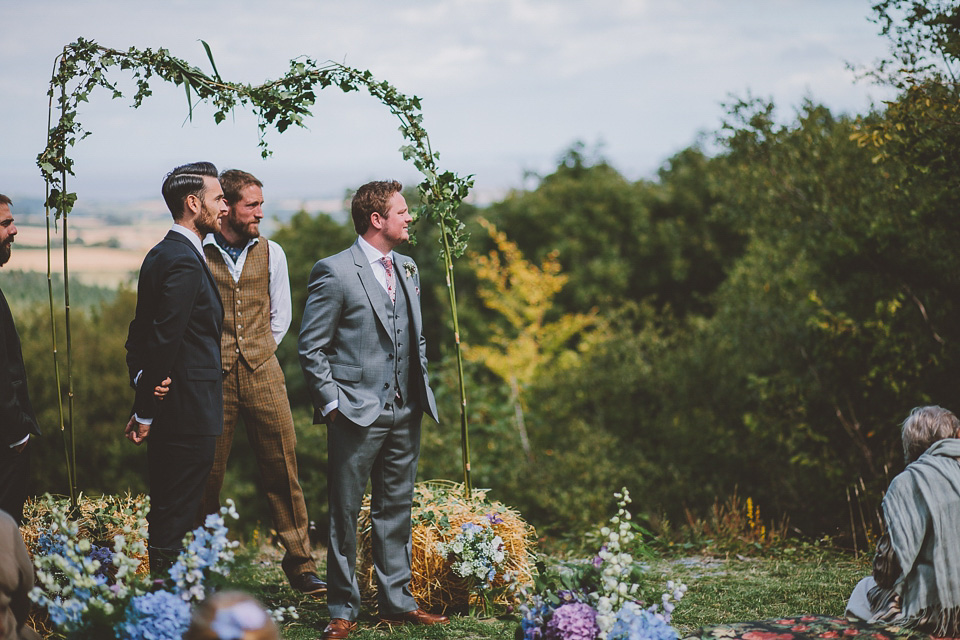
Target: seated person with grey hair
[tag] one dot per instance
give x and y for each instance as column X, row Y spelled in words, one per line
column 916, row 571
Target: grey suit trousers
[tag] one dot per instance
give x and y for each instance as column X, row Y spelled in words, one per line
column 386, row 452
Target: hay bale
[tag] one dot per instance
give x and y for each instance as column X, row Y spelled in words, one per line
column 439, row 510
column 99, row 519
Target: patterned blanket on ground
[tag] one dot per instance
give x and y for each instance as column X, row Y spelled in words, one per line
column 811, row 627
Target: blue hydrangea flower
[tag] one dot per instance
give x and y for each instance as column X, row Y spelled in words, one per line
column 636, row 623
column 160, row 615
column 534, row 618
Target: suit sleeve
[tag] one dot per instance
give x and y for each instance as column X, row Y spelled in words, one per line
column 317, row 331
column 162, row 340
column 15, row 423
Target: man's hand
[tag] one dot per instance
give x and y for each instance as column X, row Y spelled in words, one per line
column 161, row 389
column 136, row 432
column 20, row 447
column 330, row 417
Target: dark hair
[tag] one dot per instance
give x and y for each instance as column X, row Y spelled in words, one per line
column 5, row 200
column 185, row 180
column 371, row 197
column 234, row 181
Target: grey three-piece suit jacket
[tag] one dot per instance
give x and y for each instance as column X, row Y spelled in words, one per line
column 345, row 344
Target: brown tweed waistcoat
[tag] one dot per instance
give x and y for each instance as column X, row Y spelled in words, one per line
column 246, row 304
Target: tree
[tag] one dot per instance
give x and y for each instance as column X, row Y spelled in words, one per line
column 522, row 294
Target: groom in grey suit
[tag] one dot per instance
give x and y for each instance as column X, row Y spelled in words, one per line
column 363, row 354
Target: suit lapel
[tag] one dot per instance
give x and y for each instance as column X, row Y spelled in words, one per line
column 173, row 235
column 371, row 287
column 413, row 299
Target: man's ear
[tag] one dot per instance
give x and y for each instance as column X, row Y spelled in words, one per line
column 192, row 203
column 376, row 220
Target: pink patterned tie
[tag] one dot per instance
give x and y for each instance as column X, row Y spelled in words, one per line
column 391, row 281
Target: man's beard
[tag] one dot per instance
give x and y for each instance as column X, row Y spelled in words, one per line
column 247, row 231
column 207, row 222
column 251, row 230
column 5, row 250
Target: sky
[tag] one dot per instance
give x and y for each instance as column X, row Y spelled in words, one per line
column 506, row 85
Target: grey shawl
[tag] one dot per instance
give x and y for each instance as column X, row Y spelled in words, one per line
column 922, row 512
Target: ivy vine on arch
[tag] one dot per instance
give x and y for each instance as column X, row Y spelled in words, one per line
column 84, row 65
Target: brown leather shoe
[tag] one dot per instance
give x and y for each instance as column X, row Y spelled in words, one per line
column 417, row 616
column 338, row 629
column 308, row 583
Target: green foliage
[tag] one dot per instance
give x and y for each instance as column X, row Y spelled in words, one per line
column 106, row 461
column 25, row 289
column 619, row 241
column 305, row 239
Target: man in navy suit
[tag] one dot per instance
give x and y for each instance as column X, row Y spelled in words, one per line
column 17, row 419
column 176, row 333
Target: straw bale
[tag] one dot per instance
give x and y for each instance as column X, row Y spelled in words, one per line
column 439, row 510
column 99, row 519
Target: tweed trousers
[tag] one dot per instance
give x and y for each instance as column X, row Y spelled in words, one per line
column 259, row 396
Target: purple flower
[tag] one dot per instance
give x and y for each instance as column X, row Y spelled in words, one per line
column 104, row 556
column 574, row 621
column 494, row 518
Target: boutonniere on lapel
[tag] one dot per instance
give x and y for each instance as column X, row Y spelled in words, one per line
column 411, row 270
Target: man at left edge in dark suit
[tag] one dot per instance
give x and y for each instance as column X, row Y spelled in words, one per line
column 175, row 333
column 17, row 419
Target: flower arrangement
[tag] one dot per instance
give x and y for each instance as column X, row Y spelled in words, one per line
column 93, row 591
column 440, row 512
column 477, row 554
column 600, row 600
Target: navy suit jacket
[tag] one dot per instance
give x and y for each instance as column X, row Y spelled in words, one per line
column 176, row 333
column 17, row 418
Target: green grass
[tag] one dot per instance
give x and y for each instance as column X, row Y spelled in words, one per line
column 738, row 590
column 720, row 591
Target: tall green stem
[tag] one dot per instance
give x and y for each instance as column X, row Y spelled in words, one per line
column 464, row 429
column 72, row 467
column 71, row 461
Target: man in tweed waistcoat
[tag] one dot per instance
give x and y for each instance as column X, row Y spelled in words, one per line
column 364, row 357
column 252, row 278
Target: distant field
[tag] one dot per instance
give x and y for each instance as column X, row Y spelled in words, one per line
column 91, row 265
column 97, row 265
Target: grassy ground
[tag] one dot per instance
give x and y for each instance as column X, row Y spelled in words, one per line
column 720, row 590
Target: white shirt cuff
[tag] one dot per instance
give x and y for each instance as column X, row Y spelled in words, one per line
column 142, row 420
column 17, row 444
column 329, row 407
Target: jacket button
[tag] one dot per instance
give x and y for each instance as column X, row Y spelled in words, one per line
column 386, row 385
